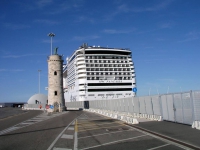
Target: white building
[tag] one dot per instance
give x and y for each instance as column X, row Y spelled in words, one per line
column 99, row 73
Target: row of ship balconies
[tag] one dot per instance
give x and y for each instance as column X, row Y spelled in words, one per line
column 107, row 65
column 109, row 78
column 102, row 57
column 107, row 69
column 104, row 61
column 105, row 75
column 84, row 66
column 97, row 71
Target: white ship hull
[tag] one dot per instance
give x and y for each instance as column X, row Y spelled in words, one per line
column 96, row 73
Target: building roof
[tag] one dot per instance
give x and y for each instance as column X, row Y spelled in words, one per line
column 41, row 98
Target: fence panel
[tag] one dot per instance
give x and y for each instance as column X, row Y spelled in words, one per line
column 170, row 105
column 156, row 105
column 164, row 107
column 115, row 105
column 122, row 105
column 142, row 105
column 178, row 108
column 187, row 108
column 196, row 104
column 136, row 105
column 126, row 105
column 149, row 107
column 130, row 104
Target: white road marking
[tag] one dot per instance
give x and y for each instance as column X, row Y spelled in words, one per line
column 55, row 148
column 75, row 136
column 54, row 142
column 114, row 142
column 8, row 130
column 25, row 123
column 98, row 128
column 158, row 147
column 104, row 134
column 70, row 128
column 29, row 122
column 67, row 136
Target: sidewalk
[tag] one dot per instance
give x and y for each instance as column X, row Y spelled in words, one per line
column 181, row 132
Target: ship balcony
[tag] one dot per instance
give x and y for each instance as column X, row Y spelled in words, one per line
column 80, row 62
column 81, row 75
column 81, row 66
column 80, row 58
column 81, row 71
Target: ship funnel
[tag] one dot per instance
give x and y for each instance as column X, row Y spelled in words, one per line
column 85, row 45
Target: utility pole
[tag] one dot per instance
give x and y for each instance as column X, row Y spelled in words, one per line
column 39, row 79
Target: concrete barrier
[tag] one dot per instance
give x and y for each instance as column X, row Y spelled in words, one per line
column 196, row 124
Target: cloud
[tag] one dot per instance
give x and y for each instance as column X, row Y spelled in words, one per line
column 113, row 31
column 65, row 6
column 11, row 70
column 85, row 38
column 19, row 56
column 45, row 21
column 43, row 3
column 49, row 41
column 16, row 26
column 160, row 39
column 148, row 47
column 189, row 39
column 156, row 7
column 126, row 8
column 85, row 19
column 191, row 36
column 166, row 26
column 167, row 80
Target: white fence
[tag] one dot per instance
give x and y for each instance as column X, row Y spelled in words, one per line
column 34, row 106
column 177, row 107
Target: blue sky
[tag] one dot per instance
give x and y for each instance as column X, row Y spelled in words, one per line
column 164, row 37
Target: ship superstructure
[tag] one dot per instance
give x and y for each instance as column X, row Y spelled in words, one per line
column 99, row 73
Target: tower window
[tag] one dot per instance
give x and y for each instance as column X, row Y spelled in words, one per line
column 55, row 73
column 55, row 93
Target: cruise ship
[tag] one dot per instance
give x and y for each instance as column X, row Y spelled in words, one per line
column 99, row 73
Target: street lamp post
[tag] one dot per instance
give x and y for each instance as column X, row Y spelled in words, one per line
column 39, row 80
column 149, row 91
column 51, row 35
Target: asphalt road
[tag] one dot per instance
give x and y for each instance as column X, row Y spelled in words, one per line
column 10, row 116
column 80, row 130
column 38, row 136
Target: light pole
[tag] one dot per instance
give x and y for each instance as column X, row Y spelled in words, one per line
column 51, row 35
column 39, row 80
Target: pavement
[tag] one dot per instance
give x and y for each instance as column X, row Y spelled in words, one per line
column 10, row 116
column 6, row 112
column 173, row 131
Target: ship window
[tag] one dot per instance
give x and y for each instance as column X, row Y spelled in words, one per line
column 55, row 92
column 55, row 73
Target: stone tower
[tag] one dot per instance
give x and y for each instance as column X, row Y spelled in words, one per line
column 55, row 83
